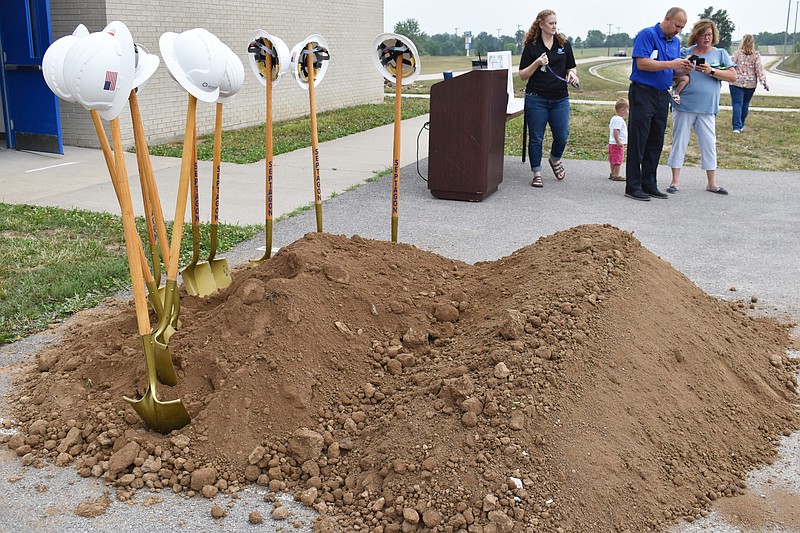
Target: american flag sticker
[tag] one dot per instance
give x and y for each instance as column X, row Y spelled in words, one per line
column 111, row 81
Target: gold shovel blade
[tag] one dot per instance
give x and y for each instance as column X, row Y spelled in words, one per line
column 160, row 416
column 204, row 280
column 221, row 272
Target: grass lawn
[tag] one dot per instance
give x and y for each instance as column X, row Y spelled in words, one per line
column 54, row 262
column 792, row 64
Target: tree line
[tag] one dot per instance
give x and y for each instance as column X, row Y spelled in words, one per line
column 452, row 44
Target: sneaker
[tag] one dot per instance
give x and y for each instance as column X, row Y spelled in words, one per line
column 737, row 131
column 638, row 195
column 657, row 194
column 672, row 189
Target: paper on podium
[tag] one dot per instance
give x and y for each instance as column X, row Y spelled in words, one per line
column 500, row 61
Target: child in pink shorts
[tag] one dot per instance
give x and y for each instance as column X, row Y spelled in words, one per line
column 617, row 139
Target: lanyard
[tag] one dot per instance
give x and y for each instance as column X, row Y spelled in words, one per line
column 549, row 69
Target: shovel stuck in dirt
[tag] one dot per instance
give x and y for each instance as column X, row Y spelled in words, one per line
column 197, row 276
column 314, row 136
column 219, row 265
column 396, row 148
column 171, row 297
column 268, row 150
column 161, row 416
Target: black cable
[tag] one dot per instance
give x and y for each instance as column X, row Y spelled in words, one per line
column 425, row 126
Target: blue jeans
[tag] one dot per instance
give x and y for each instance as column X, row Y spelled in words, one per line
column 539, row 112
column 740, row 100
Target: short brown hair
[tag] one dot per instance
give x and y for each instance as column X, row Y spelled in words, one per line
column 622, row 103
column 700, row 28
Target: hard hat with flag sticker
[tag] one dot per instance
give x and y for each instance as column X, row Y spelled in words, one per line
column 317, row 47
column 53, row 63
column 263, row 44
column 146, row 65
column 196, row 60
column 233, row 78
column 99, row 70
column 387, row 48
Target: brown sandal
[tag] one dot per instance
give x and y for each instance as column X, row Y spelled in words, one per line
column 558, row 169
column 537, row 182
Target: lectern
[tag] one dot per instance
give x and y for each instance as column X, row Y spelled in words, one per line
column 467, row 135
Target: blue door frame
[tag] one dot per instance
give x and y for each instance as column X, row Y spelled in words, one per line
column 30, row 109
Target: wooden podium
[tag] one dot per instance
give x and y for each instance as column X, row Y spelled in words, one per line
column 467, row 135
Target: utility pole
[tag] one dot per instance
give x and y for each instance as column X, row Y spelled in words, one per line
column 786, row 33
column 456, row 31
column 608, row 38
column 794, row 32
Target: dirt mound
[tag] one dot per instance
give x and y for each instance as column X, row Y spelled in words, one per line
column 581, row 383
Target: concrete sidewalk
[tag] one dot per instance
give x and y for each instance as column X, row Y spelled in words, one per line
column 79, row 178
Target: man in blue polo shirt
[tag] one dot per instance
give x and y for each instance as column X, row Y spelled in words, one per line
column 656, row 53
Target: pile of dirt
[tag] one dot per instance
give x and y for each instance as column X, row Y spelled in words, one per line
column 580, row 384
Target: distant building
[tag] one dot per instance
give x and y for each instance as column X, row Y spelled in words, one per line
column 28, row 26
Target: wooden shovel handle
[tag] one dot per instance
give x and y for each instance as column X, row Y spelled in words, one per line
column 111, row 164
column 217, row 163
column 183, row 188
column 396, row 149
column 268, row 147
column 314, row 138
column 141, row 155
column 132, row 241
column 152, row 188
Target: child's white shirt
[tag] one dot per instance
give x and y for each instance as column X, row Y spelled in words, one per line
column 617, row 123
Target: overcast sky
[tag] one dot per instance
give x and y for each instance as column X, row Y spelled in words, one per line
column 577, row 17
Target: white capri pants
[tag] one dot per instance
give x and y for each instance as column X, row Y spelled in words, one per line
column 704, row 127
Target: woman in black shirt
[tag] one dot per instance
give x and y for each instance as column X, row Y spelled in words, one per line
column 548, row 65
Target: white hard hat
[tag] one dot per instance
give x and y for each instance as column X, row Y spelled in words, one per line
column 53, row 63
column 319, row 48
column 196, row 60
column 262, row 43
column 386, row 48
column 99, row 70
column 233, row 79
column 146, row 66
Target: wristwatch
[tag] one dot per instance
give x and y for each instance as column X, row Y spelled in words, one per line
column 712, row 72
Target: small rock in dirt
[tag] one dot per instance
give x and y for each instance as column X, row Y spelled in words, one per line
column 512, row 324
column 255, row 518
column 217, row 511
column 446, row 313
column 252, row 291
column 203, row 477
column 123, row 458
column 306, row 445
column 280, row 513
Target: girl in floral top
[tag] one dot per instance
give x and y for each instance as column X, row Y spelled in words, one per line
column 749, row 72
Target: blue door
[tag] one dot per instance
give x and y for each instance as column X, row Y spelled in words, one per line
column 30, row 109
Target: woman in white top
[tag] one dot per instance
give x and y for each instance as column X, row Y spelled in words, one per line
column 749, row 72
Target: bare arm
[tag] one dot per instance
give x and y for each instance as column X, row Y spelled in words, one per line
column 653, row 65
column 527, row 72
column 616, row 136
column 728, row 74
